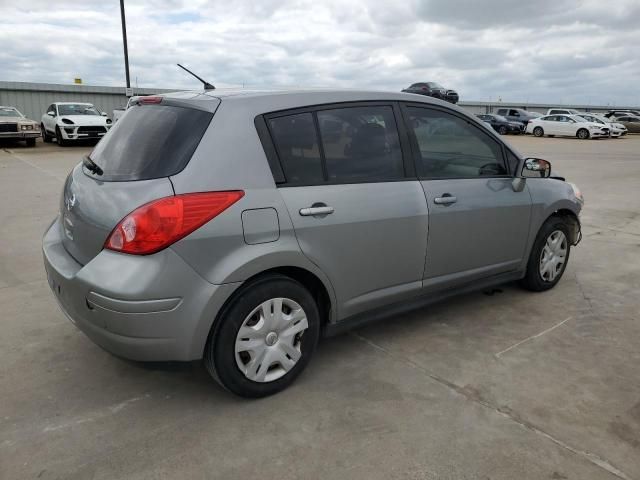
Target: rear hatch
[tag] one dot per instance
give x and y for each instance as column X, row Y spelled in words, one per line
column 148, row 144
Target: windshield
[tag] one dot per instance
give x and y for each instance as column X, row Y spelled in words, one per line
column 9, row 112
column 150, row 141
column 77, row 109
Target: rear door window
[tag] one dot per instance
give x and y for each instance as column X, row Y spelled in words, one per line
column 296, row 142
column 351, row 144
column 361, row 144
column 150, row 141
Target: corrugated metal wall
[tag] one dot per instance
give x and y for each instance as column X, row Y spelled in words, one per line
column 32, row 99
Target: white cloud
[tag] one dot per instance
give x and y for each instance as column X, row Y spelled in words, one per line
column 549, row 50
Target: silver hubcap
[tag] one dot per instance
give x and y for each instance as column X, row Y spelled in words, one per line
column 553, row 256
column 268, row 341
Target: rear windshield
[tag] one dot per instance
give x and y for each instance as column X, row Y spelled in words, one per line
column 150, row 141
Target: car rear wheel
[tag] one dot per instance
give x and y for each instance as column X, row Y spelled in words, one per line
column 264, row 338
column 538, row 131
column 46, row 138
column 502, row 130
column 61, row 141
column 549, row 256
column 583, row 134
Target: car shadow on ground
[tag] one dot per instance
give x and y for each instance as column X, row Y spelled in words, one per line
column 191, row 378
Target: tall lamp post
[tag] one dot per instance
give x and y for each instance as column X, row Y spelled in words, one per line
column 124, row 41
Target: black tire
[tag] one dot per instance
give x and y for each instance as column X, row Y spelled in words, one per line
column 583, row 134
column 31, row 142
column 533, row 280
column 220, row 355
column 61, row 141
column 538, row 132
column 502, row 130
column 46, row 138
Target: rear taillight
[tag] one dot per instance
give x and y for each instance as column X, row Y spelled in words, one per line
column 158, row 224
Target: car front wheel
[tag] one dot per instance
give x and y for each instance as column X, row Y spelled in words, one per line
column 61, row 141
column 264, row 338
column 549, row 256
column 583, row 134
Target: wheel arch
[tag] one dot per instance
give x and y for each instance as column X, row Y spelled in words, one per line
column 317, row 284
column 572, row 220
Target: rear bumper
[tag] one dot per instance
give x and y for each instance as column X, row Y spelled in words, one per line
column 151, row 308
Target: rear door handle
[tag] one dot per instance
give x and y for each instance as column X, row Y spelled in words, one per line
column 445, row 199
column 316, row 210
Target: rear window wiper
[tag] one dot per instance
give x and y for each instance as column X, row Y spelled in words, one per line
column 92, row 166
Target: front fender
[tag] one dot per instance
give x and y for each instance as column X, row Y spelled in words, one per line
column 551, row 196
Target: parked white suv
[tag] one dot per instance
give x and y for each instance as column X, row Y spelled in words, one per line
column 68, row 121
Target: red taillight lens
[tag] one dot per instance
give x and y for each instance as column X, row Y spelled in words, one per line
column 158, row 224
column 149, row 100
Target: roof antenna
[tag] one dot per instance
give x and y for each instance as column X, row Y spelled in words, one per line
column 207, row 85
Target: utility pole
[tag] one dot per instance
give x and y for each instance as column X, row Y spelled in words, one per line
column 124, row 41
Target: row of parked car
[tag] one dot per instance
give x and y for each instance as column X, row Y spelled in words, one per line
column 564, row 122
column 64, row 121
column 72, row 121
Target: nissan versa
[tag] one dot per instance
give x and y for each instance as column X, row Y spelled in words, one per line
column 236, row 227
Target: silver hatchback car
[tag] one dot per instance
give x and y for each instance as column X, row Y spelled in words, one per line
column 238, row 227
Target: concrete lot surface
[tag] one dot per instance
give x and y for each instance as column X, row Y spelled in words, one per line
column 513, row 385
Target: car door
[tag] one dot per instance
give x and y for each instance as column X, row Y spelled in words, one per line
column 358, row 210
column 478, row 224
column 565, row 125
column 551, row 125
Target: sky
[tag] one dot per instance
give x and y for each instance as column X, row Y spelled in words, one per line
column 549, row 51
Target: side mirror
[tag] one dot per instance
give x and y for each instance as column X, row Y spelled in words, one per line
column 536, row 167
column 104, row 114
column 51, row 113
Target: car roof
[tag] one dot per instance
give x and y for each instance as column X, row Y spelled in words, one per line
column 264, row 101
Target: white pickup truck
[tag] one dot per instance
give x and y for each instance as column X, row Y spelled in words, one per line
column 118, row 112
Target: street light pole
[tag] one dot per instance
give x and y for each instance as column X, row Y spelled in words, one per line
column 124, row 41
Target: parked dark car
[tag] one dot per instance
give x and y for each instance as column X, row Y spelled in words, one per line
column 632, row 122
column 517, row 115
column 501, row 124
column 435, row 90
column 622, row 113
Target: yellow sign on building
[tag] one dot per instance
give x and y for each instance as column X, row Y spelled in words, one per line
column 77, row 80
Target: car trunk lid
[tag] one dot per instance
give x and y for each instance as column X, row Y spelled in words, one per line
column 90, row 209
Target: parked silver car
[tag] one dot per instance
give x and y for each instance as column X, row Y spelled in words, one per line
column 238, row 226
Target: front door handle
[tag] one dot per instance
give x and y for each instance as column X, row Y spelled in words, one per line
column 316, row 209
column 445, row 199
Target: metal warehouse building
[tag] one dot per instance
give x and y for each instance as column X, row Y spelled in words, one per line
column 33, row 98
